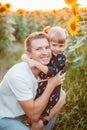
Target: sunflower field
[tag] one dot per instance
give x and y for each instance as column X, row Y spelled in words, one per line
column 15, row 26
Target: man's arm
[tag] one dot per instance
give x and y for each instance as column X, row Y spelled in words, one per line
column 34, row 108
column 55, row 110
column 37, row 125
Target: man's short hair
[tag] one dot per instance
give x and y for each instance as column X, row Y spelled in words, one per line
column 34, row 36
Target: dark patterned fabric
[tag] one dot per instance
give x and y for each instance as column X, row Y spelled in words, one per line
column 56, row 64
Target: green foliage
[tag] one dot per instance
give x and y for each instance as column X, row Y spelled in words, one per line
column 21, row 27
column 73, row 116
column 15, row 59
column 75, row 55
column 6, row 31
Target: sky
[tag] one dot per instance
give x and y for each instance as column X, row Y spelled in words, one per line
column 40, row 4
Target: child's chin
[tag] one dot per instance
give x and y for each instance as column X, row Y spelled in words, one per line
column 55, row 54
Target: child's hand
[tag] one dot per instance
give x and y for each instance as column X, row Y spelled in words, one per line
column 31, row 62
column 24, row 58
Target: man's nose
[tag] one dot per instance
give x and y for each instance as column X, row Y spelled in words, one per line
column 45, row 51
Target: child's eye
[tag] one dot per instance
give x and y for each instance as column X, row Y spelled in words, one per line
column 54, row 45
column 60, row 45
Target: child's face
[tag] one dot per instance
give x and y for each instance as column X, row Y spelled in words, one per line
column 56, row 47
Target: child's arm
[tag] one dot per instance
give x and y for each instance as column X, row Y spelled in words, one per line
column 34, row 63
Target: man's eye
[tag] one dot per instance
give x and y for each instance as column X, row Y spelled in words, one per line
column 38, row 49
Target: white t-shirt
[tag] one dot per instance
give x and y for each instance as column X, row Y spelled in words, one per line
column 19, row 84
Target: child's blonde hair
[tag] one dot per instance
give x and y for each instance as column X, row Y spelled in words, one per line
column 56, row 34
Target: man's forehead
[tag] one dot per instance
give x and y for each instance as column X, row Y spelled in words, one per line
column 40, row 40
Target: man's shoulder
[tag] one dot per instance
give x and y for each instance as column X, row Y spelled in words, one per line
column 19, row 68
column 18, row 72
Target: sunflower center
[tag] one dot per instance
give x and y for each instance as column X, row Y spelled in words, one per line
column 73, row 26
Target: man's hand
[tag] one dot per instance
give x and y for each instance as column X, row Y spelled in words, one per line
column 37, row 125
column 57, row 80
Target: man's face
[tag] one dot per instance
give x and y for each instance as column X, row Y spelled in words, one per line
column 40, row 51
column 56, row 48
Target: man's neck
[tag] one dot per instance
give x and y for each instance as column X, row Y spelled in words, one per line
column 35, row 71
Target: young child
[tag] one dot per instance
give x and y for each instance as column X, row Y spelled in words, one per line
column 57, row 39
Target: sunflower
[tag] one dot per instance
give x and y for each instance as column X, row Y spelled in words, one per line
column 43, row 22
column 7, row 5
column 2, row 9
column 0, row 4
column 75, row 9
column 54, row 12
column 70, row 2
column 45, row 13
column 33, row 14
column 73, row 26
column 20, row 11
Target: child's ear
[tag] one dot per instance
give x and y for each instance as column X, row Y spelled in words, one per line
column 66, row 34
column 65, row 45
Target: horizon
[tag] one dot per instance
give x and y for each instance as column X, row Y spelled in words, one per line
column 40, row 4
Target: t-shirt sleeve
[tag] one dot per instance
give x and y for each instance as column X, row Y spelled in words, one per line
column 21, row 86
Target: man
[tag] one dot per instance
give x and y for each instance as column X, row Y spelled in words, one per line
column 18, row 89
